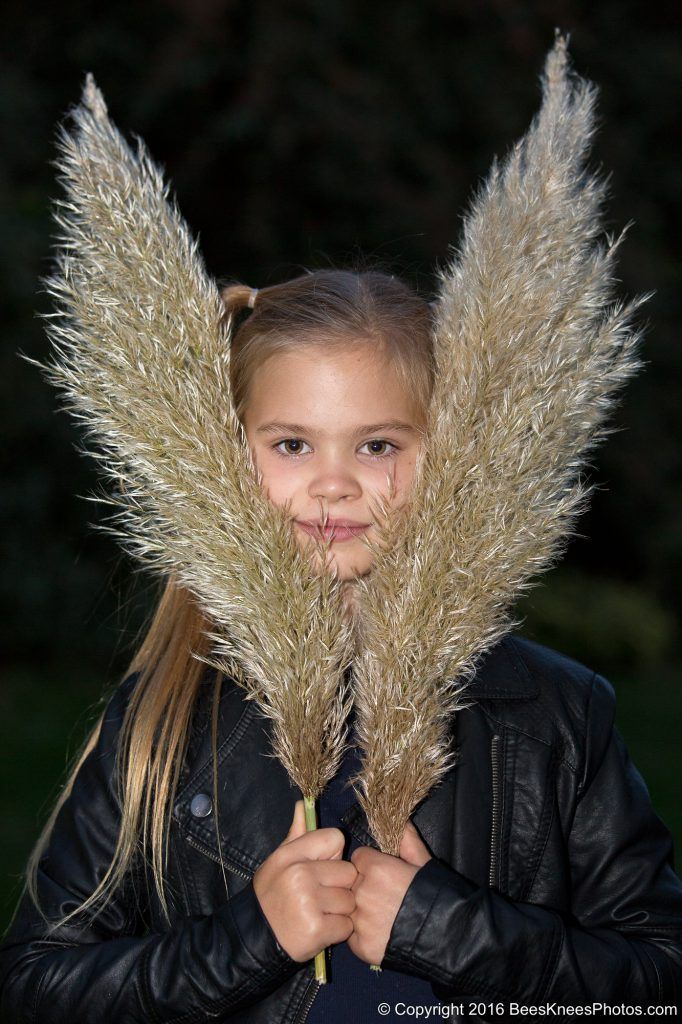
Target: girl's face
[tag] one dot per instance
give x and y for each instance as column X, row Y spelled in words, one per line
column 330, row 429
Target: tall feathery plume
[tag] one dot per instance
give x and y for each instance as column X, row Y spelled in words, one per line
column 143, row 361
column 530, row 352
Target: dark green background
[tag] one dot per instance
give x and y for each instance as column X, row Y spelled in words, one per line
column 302, row 134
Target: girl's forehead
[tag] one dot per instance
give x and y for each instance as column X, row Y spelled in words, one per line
column 319, row 384
column 359, row 367
column 356, row 372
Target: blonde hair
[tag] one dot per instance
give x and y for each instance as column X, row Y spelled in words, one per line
column 324, row 307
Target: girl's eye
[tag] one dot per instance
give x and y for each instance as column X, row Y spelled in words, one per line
column 384, row 444
column 295, row 446
column 290, row 441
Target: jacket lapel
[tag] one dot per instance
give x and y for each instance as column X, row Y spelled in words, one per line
column 256, row 798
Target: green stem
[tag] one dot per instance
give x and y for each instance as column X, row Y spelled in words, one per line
column 311, row 825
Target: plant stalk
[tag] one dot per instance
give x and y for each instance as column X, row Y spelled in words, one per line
column 311, row 824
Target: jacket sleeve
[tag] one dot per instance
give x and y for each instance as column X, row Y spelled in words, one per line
column 107, row 969
column 623, row 941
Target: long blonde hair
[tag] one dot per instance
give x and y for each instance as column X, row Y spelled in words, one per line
column 329, row 307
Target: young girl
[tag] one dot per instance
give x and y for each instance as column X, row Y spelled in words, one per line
column 175, row 881
column 542, row 875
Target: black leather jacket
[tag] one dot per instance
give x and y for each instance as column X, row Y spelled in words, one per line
column 551, row 878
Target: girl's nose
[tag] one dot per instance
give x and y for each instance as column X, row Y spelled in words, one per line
column 334, row 483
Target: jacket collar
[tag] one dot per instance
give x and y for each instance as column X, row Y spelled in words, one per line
column 502, row 674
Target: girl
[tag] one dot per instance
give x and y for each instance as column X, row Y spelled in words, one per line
column 574, row 901
column 175, row 880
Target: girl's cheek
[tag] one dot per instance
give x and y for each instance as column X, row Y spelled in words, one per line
column 279, row 478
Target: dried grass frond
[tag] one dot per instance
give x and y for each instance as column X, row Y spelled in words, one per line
column 531, row 351
column 142, row 359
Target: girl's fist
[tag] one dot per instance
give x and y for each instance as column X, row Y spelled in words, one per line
column 304, row 889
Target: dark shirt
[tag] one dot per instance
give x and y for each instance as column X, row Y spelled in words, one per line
column 353, row 991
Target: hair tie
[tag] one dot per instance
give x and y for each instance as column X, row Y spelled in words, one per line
column 252, row 298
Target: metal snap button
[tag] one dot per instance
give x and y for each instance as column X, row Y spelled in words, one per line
column 201, row 805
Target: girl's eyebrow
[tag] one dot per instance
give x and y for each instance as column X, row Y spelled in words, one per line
column 275, row 427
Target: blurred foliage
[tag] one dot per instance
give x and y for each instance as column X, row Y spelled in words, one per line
column 601, row 621
column 299, row 134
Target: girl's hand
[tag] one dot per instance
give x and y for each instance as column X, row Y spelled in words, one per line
column 379, row 890
column 304, row 889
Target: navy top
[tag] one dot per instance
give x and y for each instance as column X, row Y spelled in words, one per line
column 353, row 991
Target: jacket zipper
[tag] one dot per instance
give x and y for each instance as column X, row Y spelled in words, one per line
column 495, row 829
column 308, row 1002
column 214, row 856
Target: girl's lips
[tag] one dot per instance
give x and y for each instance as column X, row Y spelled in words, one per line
column 338, row 533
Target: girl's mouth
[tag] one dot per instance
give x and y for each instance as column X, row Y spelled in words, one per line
column 337, row 533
